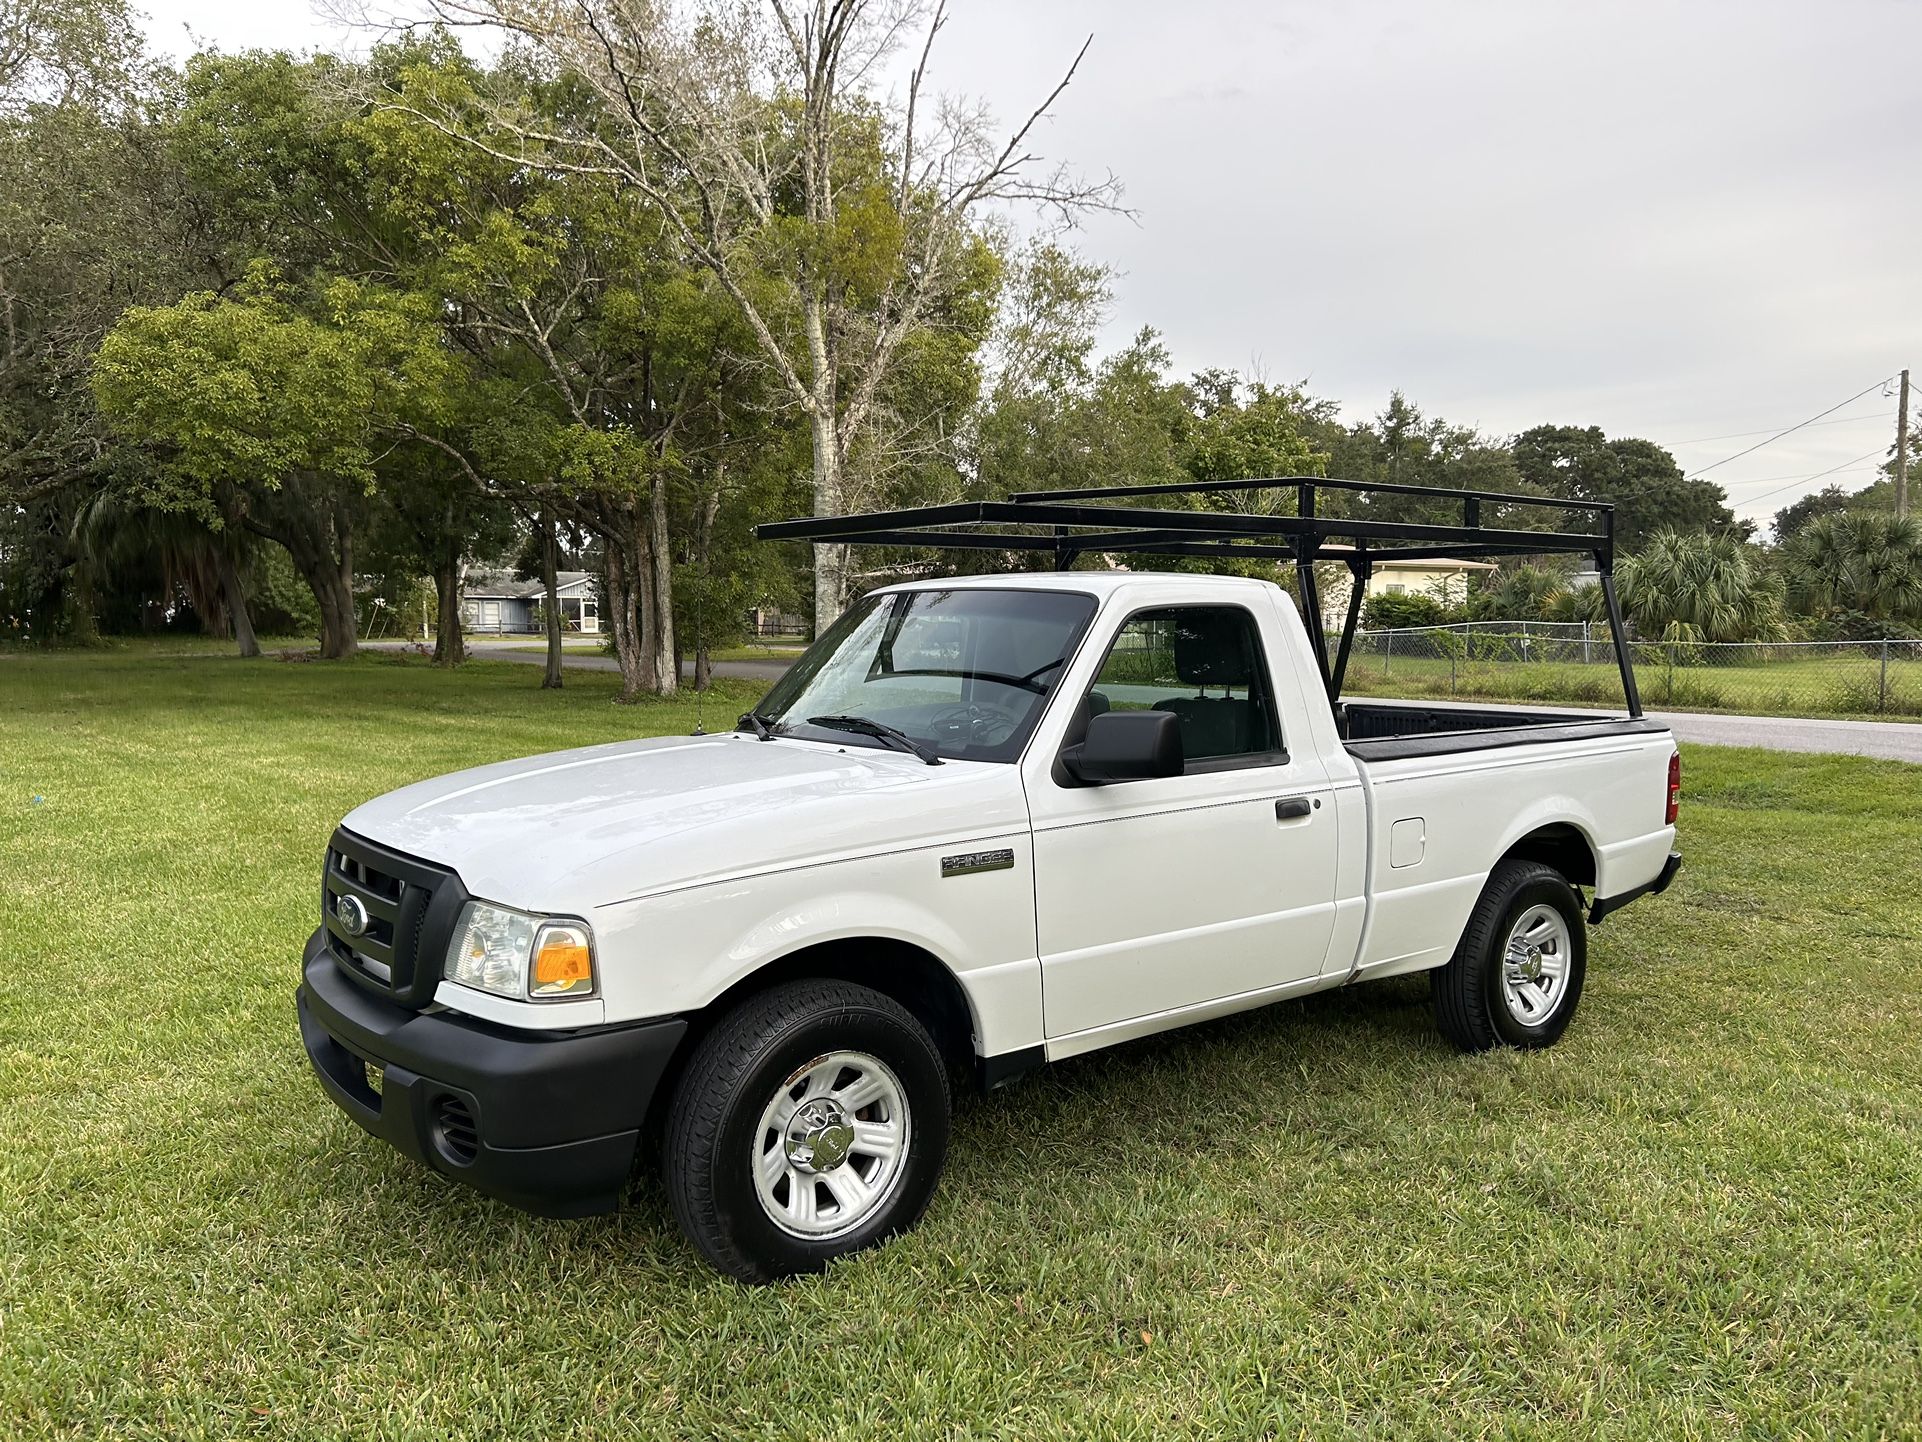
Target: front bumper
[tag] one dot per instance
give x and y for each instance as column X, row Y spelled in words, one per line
column 548, row 1122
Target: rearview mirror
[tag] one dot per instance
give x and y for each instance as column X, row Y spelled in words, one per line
column 1127, row 746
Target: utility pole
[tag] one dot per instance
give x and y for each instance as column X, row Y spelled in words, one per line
column 1902, row 449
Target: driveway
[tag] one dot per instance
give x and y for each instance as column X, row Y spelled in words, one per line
column 1892, row 740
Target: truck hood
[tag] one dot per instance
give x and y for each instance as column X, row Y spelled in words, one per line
column 573, row 830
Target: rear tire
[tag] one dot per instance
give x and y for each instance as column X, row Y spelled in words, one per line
column 810, row 1124
column 1516, row 976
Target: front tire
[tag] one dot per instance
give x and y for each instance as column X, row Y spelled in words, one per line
column 811, row 1123
column 1516, row 976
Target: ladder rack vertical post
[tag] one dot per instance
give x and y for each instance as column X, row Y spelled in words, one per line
column 1605, row 563
column 1359, row 571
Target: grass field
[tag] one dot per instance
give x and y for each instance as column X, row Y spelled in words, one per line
column 1694, row 1218
column 1845, row 684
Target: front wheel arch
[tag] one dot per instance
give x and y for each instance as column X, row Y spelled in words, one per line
column 911, row 975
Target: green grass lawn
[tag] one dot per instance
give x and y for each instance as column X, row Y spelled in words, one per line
column 1848, row 684
column 1695, row 1217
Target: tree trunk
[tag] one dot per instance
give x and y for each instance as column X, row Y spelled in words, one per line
column 323, row 575
column 663, row 657
column 347, row 636
column 235, row 596
column 550, row 588
column 82, row 617
column 704, row 543
column 619, row 606
column 450, row 645
column 318, row 535
column 338, row 638
column 830, row 560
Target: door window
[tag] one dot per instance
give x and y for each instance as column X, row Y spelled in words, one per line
column 1205, row 665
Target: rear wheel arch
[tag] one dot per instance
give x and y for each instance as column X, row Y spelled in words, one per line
column 1561, row 846
column 1469, row 993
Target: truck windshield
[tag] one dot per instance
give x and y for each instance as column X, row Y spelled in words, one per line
column 965, row 672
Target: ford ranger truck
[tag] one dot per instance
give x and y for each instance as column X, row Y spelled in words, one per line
column 980, row 825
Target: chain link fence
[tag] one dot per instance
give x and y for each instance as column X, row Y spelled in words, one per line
column 1574, row 663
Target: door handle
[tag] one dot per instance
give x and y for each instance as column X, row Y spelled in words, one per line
column 1292, row 808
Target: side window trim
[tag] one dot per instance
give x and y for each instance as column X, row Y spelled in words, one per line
column 1202, row 765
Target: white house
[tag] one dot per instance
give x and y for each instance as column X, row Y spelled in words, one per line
column 495, row 603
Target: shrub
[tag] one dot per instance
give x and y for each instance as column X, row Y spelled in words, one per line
column 1843, row 625
column 1398, row 611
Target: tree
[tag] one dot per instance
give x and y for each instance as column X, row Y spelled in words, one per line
column 56, row 53
column 206, row 565
column 1402, row 446
column 1648, row 490
column 1831, row 500
column 612, row 367
column 429, row 514
column 1700, row 587
column 835, row 218
column 1053, row 415
column 1517, row 593
column 265, row 413
column 1864, row 561
column 1238, row 429
column 90, row 222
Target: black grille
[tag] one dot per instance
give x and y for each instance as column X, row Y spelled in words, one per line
column 387, row 916
column 456, row 1130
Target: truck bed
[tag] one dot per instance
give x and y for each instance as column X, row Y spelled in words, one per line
column 1392, row 730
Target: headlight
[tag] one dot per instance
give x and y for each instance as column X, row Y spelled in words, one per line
column 511, row 954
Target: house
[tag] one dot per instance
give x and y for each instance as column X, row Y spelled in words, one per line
column 1444, row 580
column 495, row 603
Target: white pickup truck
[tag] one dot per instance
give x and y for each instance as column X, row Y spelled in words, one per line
column 983, row 824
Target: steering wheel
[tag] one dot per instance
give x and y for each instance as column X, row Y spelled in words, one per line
column 973, row 724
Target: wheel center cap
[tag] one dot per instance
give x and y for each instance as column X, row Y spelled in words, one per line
column 818, row 1135
column 1532, row 964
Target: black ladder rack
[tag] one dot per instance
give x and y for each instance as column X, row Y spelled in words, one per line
column 1071, row 523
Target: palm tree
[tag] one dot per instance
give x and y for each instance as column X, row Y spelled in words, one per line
column 1867, row 561
column 1522, row 594
column 1693, row 586
column 111, row 532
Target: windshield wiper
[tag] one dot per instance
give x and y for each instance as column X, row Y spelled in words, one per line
column 881, row 731
column 754, row 721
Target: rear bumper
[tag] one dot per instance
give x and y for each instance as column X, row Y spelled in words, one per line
column 1604, row 906
column 550, row 1123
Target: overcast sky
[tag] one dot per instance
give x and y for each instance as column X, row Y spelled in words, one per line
column 1685, row 220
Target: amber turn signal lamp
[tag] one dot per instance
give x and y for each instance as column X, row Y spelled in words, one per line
column 563, row 963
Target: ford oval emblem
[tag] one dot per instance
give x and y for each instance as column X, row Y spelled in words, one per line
column 352, row 914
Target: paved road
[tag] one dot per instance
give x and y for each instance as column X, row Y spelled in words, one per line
column 1895, row 740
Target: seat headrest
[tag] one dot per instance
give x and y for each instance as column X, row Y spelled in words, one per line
column 1212, row 649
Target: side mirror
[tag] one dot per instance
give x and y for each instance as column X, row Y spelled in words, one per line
column 1127, row 746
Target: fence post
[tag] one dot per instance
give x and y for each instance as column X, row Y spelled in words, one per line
column 1387, row 652
column 1454, row 684
column 1671, row 672
column 1882, row 685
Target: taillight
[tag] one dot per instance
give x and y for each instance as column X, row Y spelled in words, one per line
column 1674, row 788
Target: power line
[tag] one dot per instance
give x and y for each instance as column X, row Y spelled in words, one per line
column 1740, row 435
column 1764, row 480
column 1794, row 428
column 1799, row 480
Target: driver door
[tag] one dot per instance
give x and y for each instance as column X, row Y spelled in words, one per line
column 1167, row 894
